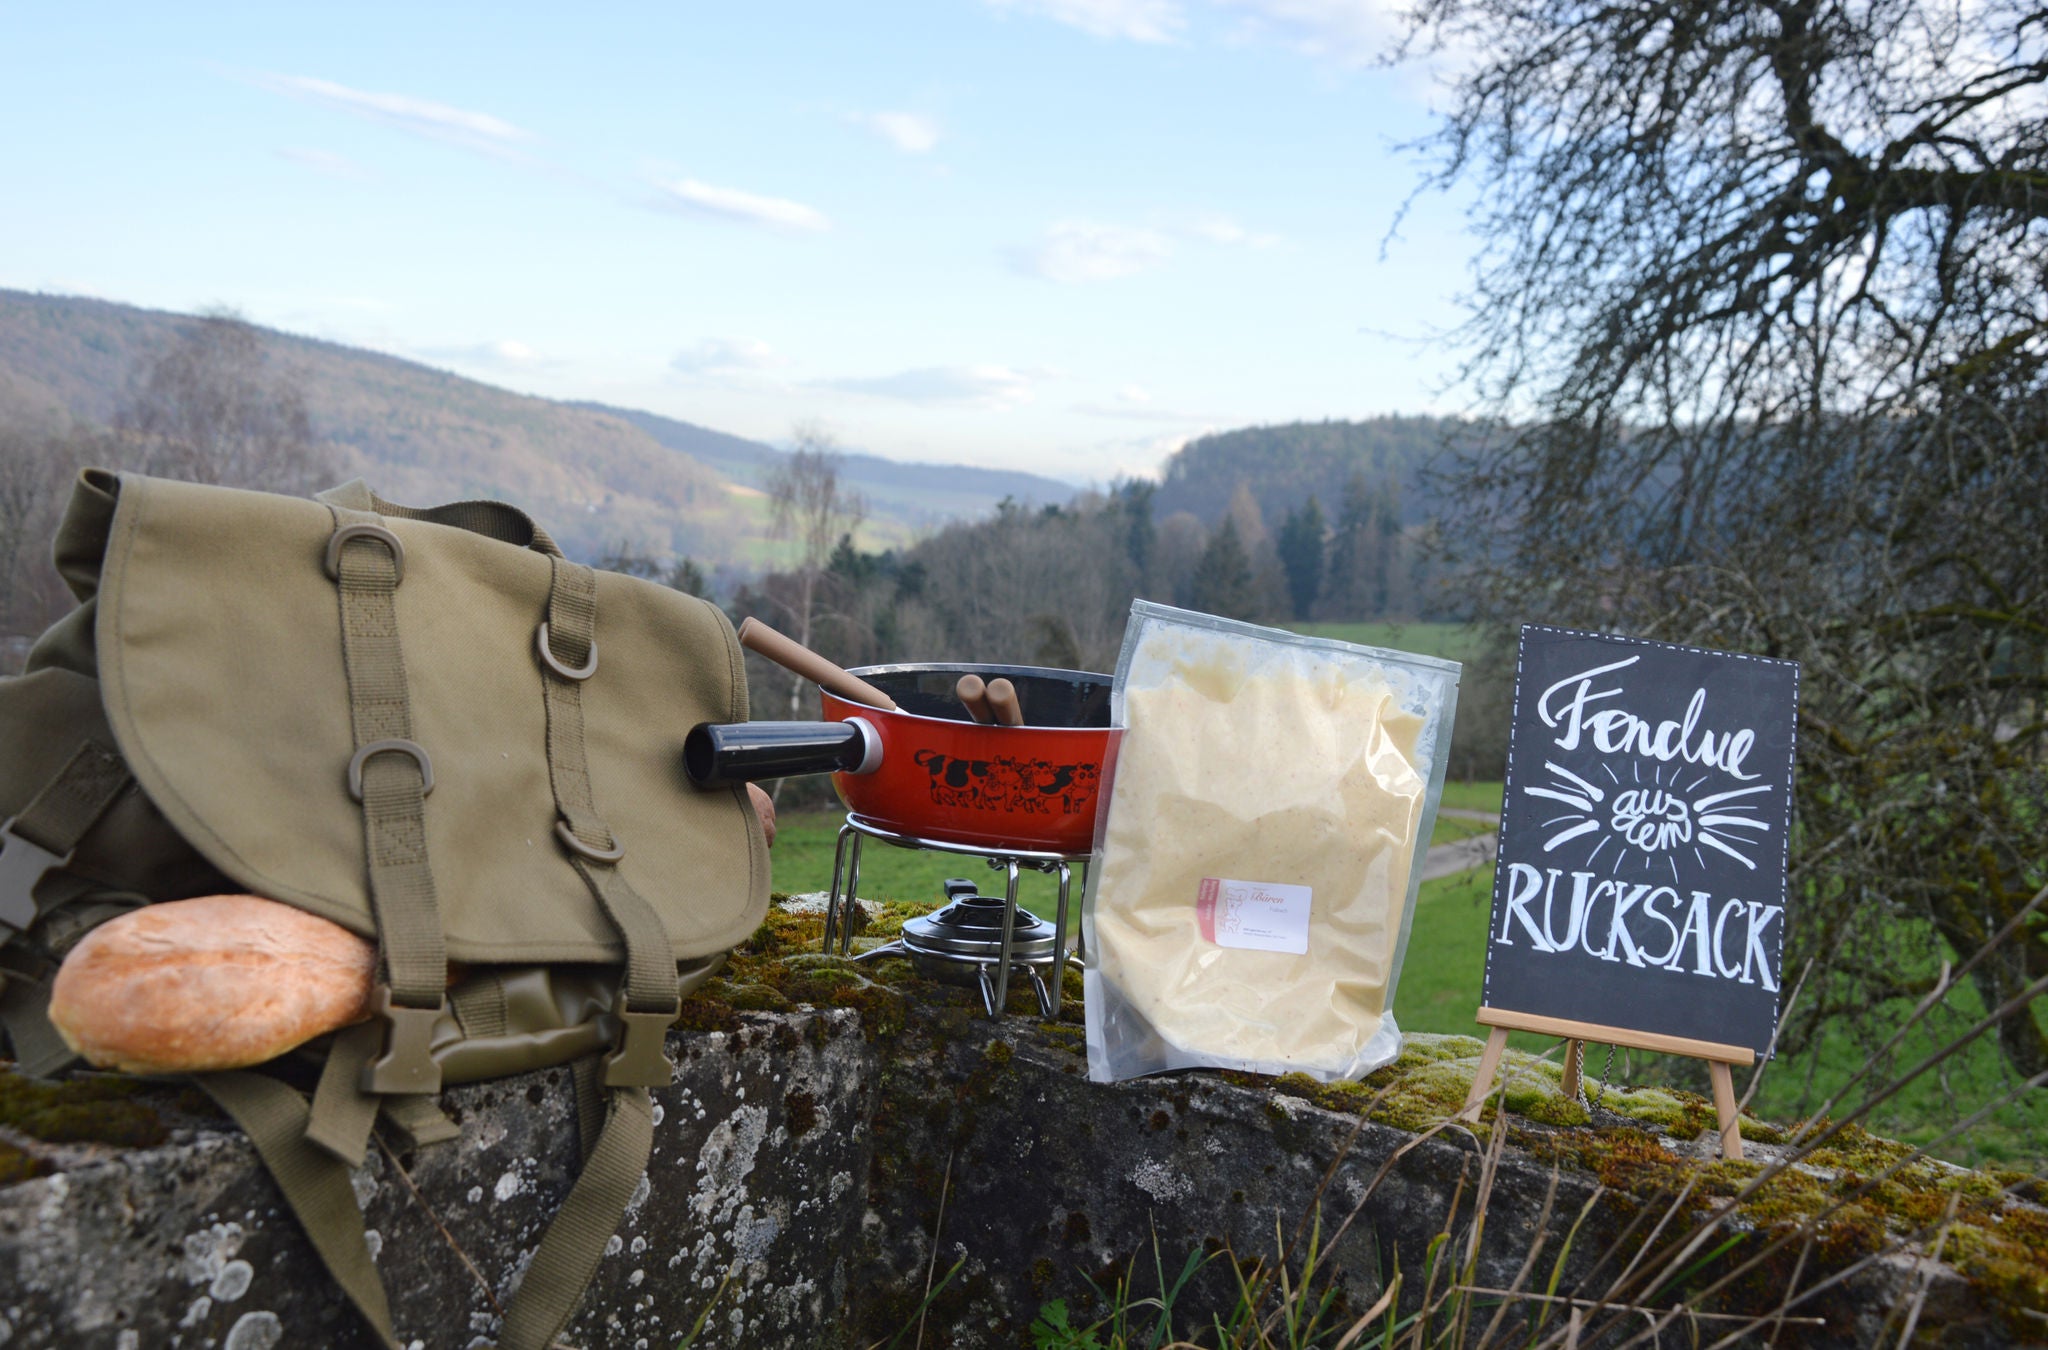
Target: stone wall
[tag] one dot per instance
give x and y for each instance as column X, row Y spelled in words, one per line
column 762, row 1149
column 817, row 1169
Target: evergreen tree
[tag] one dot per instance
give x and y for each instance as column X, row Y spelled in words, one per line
column 1348, row 591
column 1301, row 553
column 1223, row 579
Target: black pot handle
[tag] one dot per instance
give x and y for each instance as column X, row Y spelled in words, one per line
column 716, row 754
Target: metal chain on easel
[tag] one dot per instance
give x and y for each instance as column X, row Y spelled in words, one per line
column 1593, row 1099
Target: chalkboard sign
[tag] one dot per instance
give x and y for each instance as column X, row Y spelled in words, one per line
column 1641, row 879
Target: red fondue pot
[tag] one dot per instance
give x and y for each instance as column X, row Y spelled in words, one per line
column 927, row 770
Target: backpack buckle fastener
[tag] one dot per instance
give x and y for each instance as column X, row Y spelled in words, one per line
column 637, row 1060
column 22, row 866
column 407, row 1066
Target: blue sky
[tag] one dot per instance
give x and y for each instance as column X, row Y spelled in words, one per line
column 1060, row 235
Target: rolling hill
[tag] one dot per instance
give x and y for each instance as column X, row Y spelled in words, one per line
column 597, row 476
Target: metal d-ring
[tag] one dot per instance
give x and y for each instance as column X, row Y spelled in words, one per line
column 377, row 532
column 554, row 663
column 413, row 748
column 577, row 846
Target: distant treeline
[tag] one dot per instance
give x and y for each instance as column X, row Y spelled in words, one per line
column 1239, row 527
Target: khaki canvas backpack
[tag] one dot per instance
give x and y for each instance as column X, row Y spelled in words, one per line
column 429, row 727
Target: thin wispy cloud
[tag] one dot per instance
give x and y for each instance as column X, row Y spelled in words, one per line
column 1132, row 20
column 725, row 356
column 911, row 133
column 943, row 386
column 1078, row 251
column 1350, row 32
column 443, row 122
column 1133, row 403
column 690, row 197
column 324, row 162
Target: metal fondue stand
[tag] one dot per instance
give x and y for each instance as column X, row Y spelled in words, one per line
column 846, row 868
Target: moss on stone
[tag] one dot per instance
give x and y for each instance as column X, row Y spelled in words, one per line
column 16, row 1165
column 86, row 1109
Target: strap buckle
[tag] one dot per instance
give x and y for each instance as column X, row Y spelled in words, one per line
column 22, row 867
column 543, row 643
column 407, row 1065
column 581, row 849
column 637, row 1060
column 390, row 541
column 403, row 747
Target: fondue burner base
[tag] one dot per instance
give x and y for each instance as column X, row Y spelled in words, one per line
column 976, row 940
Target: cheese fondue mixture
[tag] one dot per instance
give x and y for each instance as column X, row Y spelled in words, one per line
column 1294, row 772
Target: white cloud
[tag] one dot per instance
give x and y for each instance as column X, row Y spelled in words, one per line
column 689, row 195
column 908, row 132
column 420, row 117
column 1352, row 32
column 1134, row 393
column 1225, row 231
column 324, row 162
column 503, row 354
column 1135, row 20
column 724, row 356
column 1079, row 250
column 978, row 386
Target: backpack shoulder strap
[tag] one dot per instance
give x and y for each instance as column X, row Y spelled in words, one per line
column 42, row 836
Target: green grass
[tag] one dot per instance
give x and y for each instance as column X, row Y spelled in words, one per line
column 804, row 843
column 1450, row 641
column 1439, row 991
column 1473, row 796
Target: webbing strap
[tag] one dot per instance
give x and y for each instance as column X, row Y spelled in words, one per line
column 42, row 836
column 588, row 1076
column 479, row 1006
column 24, row 1015
column 74, row 800
column 650, row 983
column 393, row 784
column 342, row 1112
column 421, row 1121
column 495, row 520
column 569, row 1251
column 314, row 1183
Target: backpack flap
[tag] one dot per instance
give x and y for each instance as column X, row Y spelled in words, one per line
column 224, row 678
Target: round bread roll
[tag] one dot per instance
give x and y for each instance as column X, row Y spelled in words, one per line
column 218, row 982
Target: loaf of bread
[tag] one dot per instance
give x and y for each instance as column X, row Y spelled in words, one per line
column 219, row 982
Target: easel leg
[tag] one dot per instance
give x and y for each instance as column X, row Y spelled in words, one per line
column 1482, row 1081
column 1574, row 1057
column 1724, row 1107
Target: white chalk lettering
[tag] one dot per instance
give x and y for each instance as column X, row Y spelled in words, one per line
column 1615, row 730
column 1523, row 883
column 1760, row 916
column 1740, row 972
column 1607, row 918
column 1650, row 909
column 1578, row 919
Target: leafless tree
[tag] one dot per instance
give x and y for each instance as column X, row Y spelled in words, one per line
column 37, row 467
column 1765, row 287
column 215, row 406
column 813, row 510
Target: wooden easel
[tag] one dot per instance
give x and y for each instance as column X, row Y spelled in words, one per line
column 1720, row 1061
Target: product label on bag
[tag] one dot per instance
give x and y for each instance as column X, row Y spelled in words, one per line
column 1260, row 916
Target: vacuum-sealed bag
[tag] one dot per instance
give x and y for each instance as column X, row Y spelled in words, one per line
column 1263, row 826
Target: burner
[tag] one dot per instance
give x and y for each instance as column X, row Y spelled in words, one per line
column 962, row 943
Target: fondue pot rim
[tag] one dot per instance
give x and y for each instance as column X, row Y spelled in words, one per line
column 1053, row 673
